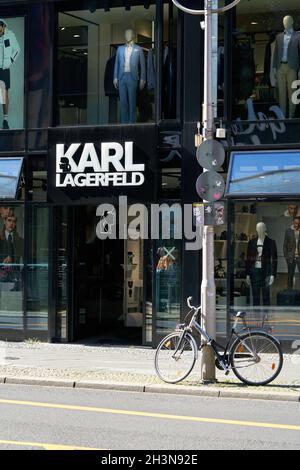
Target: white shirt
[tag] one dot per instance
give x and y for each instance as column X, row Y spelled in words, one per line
column 7, row 234
column 128, row 52
column 260, row 248
column 287, row 39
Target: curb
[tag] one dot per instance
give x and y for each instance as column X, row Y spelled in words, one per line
column 200, row 391
column 39, row 382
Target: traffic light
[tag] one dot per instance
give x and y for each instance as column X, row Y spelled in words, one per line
column 210, row 185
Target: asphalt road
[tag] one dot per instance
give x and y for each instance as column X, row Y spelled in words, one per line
column 58, row 418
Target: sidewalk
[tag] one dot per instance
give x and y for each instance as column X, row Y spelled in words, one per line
column 126, row 368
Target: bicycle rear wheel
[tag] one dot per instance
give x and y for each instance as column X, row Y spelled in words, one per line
column 256, row 358
column 173, row 366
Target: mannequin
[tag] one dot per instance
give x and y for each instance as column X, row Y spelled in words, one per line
column 291, row 250
column 130, row 57
column 287, row 64
column 261, row 265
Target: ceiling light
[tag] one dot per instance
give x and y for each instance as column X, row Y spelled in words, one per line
column 76, row 35
column 254, row 23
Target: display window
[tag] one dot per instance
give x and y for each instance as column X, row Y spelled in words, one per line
column 11, row 266
column 12, row 45
column 265, row 60
column 264, row 264
column 168, row 273
column 106, row 69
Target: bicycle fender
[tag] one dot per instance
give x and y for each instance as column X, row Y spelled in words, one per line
column 256, row 331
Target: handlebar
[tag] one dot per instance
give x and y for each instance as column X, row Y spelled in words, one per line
column 189, row 300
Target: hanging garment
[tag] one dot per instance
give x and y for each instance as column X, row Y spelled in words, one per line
column 151, row 70
column 269, row 75
column 243, row 71
column 109, row 87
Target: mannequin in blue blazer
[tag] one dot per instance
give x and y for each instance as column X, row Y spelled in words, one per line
column 129, row 73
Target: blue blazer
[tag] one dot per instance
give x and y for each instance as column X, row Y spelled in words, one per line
column 137, row 58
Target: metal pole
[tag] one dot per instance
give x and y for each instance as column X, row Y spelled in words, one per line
column 208, row 287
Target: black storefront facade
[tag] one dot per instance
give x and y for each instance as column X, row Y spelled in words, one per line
column 65, row 284
column 70, row 285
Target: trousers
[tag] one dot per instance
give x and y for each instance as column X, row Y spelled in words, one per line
column 285, row 77
column 128, row 96
column 260, row 288
column 291, row 272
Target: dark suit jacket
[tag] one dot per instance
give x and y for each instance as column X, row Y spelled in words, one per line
column 289, row 245
column 14, row 250
column 268, row 260
column 293, row 51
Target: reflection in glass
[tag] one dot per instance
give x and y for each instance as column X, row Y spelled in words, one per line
column 12, row 72
column 11, row 267
column 168, row 286
column 10, row 171
column 266, row 173
column 106, row 66
column 37, row 269
column 265, row 61
column 264, row 269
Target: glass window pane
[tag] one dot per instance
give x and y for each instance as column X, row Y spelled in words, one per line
column 168, row 271
column 61, row 262
column 149, row 291
column 12, row 42
column 265, row 61
column 37, row 269
column 265, row 265
column 265, row 173
column 168, row 286
column 11, row 267
column 10, row 170
column 169, row 66
column 37, row 179
column 106, row 65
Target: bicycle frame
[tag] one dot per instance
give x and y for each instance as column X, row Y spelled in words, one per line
column 222, row 358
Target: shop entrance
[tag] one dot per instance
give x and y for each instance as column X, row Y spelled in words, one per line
column 107, row 284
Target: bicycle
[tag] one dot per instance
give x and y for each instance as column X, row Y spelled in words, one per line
column 254, row 355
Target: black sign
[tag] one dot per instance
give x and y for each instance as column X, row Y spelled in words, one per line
column 89, row 165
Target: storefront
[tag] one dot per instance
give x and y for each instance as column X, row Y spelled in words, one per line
column 262, row 239
column 85, row 134
column 258, row 90
column 88, row 133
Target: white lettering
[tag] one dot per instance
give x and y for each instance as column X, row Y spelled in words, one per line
column 114, row 159
column 89, row 159
column 64, row 161
column 93, row 171
column 129, row 165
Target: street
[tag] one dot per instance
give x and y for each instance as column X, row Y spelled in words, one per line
column 60, row 418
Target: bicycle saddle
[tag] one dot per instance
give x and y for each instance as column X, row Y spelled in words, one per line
column 241, row 314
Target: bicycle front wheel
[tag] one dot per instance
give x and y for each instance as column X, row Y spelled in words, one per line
column 173, row 363
column 256, row 358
